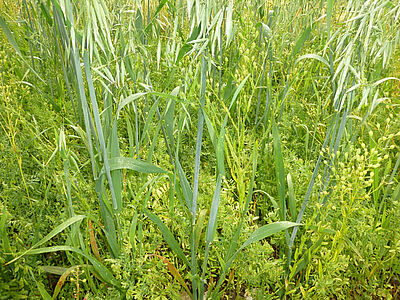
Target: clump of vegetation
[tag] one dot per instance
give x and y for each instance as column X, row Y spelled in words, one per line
column 199, row 149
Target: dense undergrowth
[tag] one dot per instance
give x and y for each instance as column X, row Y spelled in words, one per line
column 204, row 149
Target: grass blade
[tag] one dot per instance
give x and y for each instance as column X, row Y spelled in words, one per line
column 116, row 175
column 42, row 290
column 280, row 172
column 129, row 163
column 62, row 279
column 9, row 36
column 212, row 221
column 266, row 231
column 49, row 236
column 300, row 42
column 292, row 198
column 168, row 237
column 102, row 271
column 184, row 183
column 99, row 129
column 261, row 233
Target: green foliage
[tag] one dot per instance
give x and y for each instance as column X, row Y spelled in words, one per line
column 204, row 149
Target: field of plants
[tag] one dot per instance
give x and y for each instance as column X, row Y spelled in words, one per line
column 214, row 149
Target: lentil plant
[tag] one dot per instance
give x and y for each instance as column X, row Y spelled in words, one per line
column 200, row 149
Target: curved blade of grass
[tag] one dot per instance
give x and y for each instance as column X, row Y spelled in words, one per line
column 383, row 80
column 159, row 8
column 62, row 279
column 129, row 163
column 168, row 237
column 236, row 94
column 266, row 231
column 262, row 233
column 300, row 42
column 9, row 36
column 102, row 271
column 49, row 236
column 312, row 56
column 14, row 44
column 128, row 100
